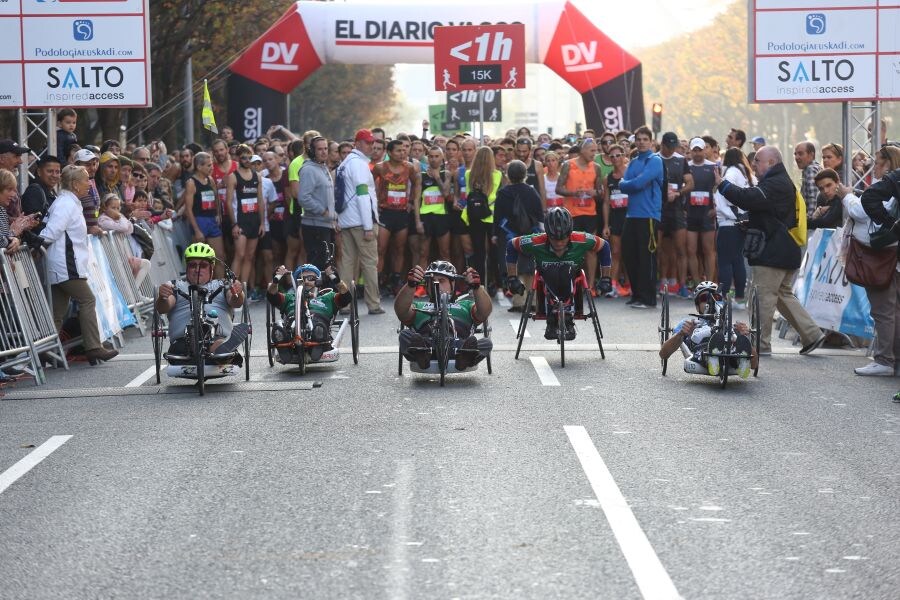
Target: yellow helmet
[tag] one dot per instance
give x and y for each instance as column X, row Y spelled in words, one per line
column 201, row 251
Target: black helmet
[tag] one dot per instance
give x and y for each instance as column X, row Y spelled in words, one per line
column 558, row 223
column 441, row 267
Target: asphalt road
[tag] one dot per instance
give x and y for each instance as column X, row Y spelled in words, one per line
column 352, row 482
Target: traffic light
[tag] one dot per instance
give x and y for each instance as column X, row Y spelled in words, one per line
column 657, row 117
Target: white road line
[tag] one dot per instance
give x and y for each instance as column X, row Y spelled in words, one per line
column 514, row 323
column 140, row 379
column 399, row 567
column 544, row 372
column 649, row 573
column 8, row 477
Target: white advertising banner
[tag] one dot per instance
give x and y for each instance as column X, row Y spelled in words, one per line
column 75, row 53
column 822, row 50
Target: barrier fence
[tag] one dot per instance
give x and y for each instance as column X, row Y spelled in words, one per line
column 28, row 336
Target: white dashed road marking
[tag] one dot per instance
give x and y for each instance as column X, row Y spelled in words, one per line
column 8, row 477
column 544, row 372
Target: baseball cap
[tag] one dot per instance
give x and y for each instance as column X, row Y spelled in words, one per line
column 364, row 135
column 8, row 145
column 255, row 158
column 697, row 143
column 758, row 140
column 84, row 155
column 669, row 138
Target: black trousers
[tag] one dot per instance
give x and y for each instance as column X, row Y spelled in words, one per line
column 314, row 239
column 639, row 256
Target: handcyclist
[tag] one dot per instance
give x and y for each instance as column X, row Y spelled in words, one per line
column 559, row 254
column 323, row 302
column 697, row 336
column 221, row 295
column 412, row 304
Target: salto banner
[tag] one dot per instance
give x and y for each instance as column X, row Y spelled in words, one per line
column 74, row 53
column 311, row 34
column 824, row 50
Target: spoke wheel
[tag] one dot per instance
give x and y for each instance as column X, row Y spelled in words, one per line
column 728, row 334
column 523, row 321
column 245, row 318
column 755, row 329
column 595, row 321
column 196, row 331
column 156, row 334
column 444, row 338
column 354, row 325
column 561, row 334
column 270, row 321
column 664, row 329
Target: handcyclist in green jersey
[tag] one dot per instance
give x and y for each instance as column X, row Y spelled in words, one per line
column 465, row 312
column 559, row 255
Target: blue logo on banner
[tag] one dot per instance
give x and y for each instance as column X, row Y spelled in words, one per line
column 815, row 23
column 83, row 30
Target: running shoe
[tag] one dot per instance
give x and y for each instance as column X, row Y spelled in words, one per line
column 897, row 397
column 626, row 289
column 684, row 292
column 739, row 304
column 662, row 288
column 613, row 293
column 621, row 290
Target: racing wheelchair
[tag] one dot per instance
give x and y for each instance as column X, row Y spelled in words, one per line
column 201, row 364
column 560, row 291
column 443, row 337
column 296, row 351
column 723, row 322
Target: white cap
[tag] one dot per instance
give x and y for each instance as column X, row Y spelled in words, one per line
column 697, row 143
column 255, row 158
column 84, row 155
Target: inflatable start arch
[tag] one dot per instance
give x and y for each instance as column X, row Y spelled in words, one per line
column 310, row 34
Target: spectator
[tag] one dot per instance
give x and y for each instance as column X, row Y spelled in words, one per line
column 730, row 237
column 833, row 157
column 66, row 122
column 11, row 159
column 829, row 213
column 90, row 202
column 776, row 258
column 11, row 231
column 112, row 219
column 805, row 157
column 40, row 195
column 108, row 176
column 67, row 260
column 316, row 196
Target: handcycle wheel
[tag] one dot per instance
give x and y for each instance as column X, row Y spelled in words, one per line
column 561, row 334
column 755, row 329
column 444, row 338
column 399, row 358
column 270, row 320
column 595, row 321
column 245, row 318
column 354, row 324
column 664, row 329
column 156, row 333
column 301, row 362
column 199, row 354
column 728, row 334
column 486, row 328
column 300, row 324
column 523, row 321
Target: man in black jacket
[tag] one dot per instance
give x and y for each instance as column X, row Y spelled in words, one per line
column 876, row 195
column 771, row 207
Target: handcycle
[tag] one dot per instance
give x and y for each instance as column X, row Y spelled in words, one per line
column 200, row 363
column 723, row 322
column 298, row 348
column 444, row 340
column 562, row 304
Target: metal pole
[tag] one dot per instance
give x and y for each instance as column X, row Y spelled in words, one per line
column 23, row 141
column 188, row 101
column 481, row 113
column 846, row 140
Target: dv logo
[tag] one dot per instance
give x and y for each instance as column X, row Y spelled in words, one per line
column 83, row 30
column 279, row 56
column 815, row 23
column 580, row 57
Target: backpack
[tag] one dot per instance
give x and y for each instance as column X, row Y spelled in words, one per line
column 798, row 231
column 477, row 205
column 520, row 222
column 340, row 185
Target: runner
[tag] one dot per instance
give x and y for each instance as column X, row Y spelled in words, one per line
column 222, row 167
column 246, row 212
column 551, row 177
column 580, row 184
column 534, row 169
column 432, row 218
column 672, row 236
column 614, row 210
column 701, row 215
column 396, row 183
column 276, row 209
column 201, row 210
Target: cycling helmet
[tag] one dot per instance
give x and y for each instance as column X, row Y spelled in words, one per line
column 307, row 267
column 441, row 267
column 706, row 295
column 559, row 223
column 201, row 251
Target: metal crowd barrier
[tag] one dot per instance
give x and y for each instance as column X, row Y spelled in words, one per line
column 166, row 263
column 26, row 321
column 139, row 299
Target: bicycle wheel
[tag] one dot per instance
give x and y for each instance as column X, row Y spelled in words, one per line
column 755, row 329
column 270, row 320
column 595, row 321
column 196, row 334
column 724, row 363
column 354, row 324
column 157, row 341
column 523, row 321
column 663, row 328
column 444, row 338
column 245, row 318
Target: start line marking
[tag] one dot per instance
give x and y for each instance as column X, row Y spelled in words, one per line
column 544, row 372
column 649, row 574
column 8, row 477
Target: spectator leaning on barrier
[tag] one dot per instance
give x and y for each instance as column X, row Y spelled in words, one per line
column 11, row 159
column 42, row 192
column 771, row 251
column 805, row 157
column 67, row 261
column 11, row 231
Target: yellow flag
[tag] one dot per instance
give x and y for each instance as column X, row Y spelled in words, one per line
column 209, row 119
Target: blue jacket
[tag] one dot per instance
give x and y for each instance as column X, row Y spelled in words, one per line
column 643, row 182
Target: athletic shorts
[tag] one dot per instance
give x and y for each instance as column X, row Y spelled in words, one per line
column 249, row 225
column 276, row 231
column 395, row 221
column 209, row 227
column 701, row 221
column 265, row 242
column 585, row 223
column 673, row 218
column 436, row 225
column 292, row 224
column 617, row 220
column 456, row 224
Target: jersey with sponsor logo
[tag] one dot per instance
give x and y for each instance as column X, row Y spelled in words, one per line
column 537, row 246
column 461, row 312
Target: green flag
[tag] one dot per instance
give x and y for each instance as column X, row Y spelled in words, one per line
column 209, row 119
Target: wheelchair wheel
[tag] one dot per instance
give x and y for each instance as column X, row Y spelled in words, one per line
column 523, row 321
column 726, row 321
column 245, row 318
column 301, row 362
column 444, row 338
column 486, row 329
column 664, row 329
column 354, row 324
column 156, row 334
column 270, row 320
column 755, row 329
column 595, row 321
column 199, row 354
column 561, row 334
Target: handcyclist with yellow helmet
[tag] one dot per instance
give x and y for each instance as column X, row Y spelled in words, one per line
column 222, row 295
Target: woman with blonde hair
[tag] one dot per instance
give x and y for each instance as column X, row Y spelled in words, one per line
column 485, row 178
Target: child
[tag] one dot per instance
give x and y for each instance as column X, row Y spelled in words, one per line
column 66, row 122
column 112, row 219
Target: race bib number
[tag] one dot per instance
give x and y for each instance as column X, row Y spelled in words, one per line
column 249, row 205
column 554, row 201
column 208, row 199
column 699, row 198
column 673, row 187
column 584, row 201
column 618, row 200
column 396, row 199
column 432, row 197
column 278, row 215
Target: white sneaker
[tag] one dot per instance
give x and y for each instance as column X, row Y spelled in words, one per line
column 875, row 369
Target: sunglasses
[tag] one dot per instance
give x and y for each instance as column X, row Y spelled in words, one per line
column 199, row 263
column 616, row 155
column 606, row 142
column 309, row 278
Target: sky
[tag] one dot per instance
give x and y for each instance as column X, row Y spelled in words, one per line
column 633, row 24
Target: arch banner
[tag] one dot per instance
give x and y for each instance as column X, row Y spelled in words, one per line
column 311, row 34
